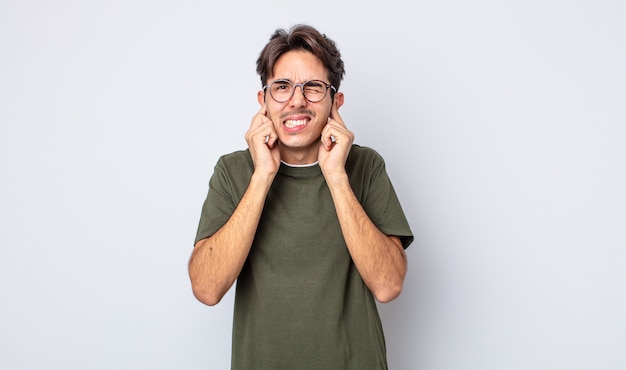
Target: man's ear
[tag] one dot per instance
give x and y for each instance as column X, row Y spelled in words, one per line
column 336, row 104
column 338, row 99
column 260, row 96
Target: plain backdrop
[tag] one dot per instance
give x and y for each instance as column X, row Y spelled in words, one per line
column 503, row 125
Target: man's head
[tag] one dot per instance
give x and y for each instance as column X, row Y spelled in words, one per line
column 300, row 71
column 301, row 37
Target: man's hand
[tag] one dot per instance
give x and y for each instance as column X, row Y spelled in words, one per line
column 336, row 143
column 263, row 143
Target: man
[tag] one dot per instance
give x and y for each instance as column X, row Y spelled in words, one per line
column 305, row 221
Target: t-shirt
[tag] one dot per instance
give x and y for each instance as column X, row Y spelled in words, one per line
column 300, row 302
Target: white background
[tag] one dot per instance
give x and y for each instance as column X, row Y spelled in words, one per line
column 502, row 124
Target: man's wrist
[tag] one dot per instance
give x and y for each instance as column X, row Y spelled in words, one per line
column 263, row 179
column 334, row 179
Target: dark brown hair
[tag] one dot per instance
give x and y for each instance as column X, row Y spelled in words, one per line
column 301, row 37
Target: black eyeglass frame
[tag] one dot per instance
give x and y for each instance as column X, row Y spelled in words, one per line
column 294, row 85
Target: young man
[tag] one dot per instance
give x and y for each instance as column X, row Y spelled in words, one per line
column 305, row 221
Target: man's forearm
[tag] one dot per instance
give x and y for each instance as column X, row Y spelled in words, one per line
column 380, row 259
column 217, row 261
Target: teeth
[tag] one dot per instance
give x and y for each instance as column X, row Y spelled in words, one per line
column 295, row 123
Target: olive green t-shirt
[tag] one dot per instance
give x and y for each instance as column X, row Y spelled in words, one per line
column 300, row 302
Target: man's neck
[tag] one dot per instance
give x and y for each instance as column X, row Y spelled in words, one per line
column 302, row 156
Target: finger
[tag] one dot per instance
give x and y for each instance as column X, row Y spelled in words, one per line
column 259, row 119
column 328, row 138
column 263, row 110
column 261, row 130
column 270, row 137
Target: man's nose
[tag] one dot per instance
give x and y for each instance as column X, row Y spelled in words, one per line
column 298, row 99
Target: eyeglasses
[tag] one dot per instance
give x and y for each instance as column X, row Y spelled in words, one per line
column 314, row 91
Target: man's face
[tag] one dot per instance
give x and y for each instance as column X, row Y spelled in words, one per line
column 298, row 122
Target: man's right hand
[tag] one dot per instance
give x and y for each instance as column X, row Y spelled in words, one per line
column 263, row 144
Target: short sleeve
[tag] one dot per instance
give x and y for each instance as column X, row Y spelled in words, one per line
column 227, row 185
column 377, row 195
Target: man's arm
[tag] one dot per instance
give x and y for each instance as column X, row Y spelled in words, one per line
column 217, row 260
column 379, row 258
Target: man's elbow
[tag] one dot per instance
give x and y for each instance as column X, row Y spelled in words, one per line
column 388, row 294
column 207, row 297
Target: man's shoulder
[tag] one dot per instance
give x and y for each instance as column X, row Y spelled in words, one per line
column 363, row 154
column 236, row 158
column 235, row 165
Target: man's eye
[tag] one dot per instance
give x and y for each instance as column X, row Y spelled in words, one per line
column 281, row 86
column 314, row 87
